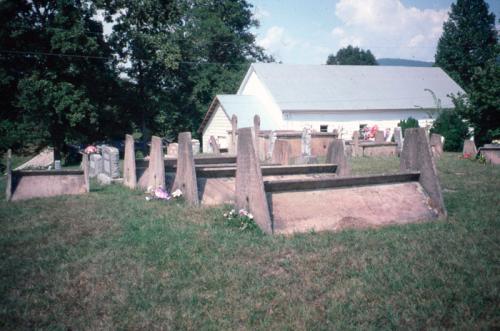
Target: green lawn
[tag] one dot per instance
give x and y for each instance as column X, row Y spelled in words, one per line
column 111, row 260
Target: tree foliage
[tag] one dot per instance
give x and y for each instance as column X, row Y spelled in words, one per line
column 408, row 123
column 352, row 56
column 468, row 41
column 451, row 126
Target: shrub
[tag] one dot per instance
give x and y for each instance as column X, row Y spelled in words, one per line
column 452, row 128
column 410, row 122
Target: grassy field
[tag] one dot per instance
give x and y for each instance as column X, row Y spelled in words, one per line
column 111, row 260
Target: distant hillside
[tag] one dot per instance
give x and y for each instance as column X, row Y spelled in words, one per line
column 404, row 63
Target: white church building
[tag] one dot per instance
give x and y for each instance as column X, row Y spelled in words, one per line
column 329, row 97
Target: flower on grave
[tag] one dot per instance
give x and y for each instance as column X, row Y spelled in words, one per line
column 467, row 155
column 91, row 150
column 243, row 212
column 177, row 193
column 250, row 216
column 162, row 194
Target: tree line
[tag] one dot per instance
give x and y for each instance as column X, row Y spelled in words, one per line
column 62, row 80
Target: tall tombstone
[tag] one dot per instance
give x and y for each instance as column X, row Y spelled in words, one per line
column 256, row 126
column 281, row 152
column 271, row 144
column 110, row 161
column 355, row 143
column 379, row 137
column 8, row 186
column 469, row 148
column 185, row 175
column 156, row 169
column 196, row 146
column 129, row 170
column 234, row 127
column 398, row 138
column 215, row 146
column 86, row 171
column 436, row 142
column 95, row 165
column 306, row 142
column 417, row 156
column 337, row 154
column 250, row 193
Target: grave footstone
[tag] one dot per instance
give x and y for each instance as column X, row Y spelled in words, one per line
column 337, row 154
column 470, row 149
column 110, row 161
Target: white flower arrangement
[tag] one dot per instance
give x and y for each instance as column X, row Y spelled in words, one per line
column 243, row 218
column 177, row 193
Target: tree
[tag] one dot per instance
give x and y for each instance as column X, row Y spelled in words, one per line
column 468, row 41
column 410, row 122
column 481, row 106
column 352, row 56
column 451, row 126
column 55, row 71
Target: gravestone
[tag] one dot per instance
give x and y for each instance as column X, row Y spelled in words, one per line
column 110, row 161
column 172, row 149
column 96, row 165
column 306, row 142
column 156, row 169
column 355, row 143
column 398, row 138
column 196, row 146
column 234, row 127
column 214, row 145
column 379, row 137
column 129, row 169
column 272, row 142
column 281, row 152
column 436, row 142
column 417, row 156
column 337, row 155
column 256, row 127
column 469, row 148
column 185, row 175
column 250, row 194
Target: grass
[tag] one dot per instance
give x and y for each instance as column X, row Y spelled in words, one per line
column 111, row 260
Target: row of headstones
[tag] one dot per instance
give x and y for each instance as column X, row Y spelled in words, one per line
column 173, row 148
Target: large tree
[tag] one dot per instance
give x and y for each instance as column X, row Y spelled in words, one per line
column 56, row 75
column 352, row 56
column 468, row 41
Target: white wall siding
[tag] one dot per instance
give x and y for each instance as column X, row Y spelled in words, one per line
column 255, row 87
column 217, row 126
column 347, row 122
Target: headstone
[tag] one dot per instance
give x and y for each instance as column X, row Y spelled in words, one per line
column 398, row 138
column 436, row 142
column 214, row 145
column 185, row 176
column 379, row 137
column 417, row 156
column 96, row 165
column 196, row 146
column 337, row 154
column 86, row 171
column 306, row 142
column 272, row 142
column 234, row 128
column 156, row 167
column 110, row 161
column 250, row 193
column 57, row 165
column 129, row 169
column 355, row 143
column 103, row 179
column 281, row 152
column 469, row 148
column 256, row 127
column 172, row 149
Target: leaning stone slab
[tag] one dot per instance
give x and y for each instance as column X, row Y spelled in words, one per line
column 110, row 161
column 215, row 146
column 156, row 169
column 185, row 176
column 250, row 194
column 43, row 160
column 417, row 156
column 436, row 142
column 337, row 154
column 281, row 152
column 469, row 148
column 129, row 170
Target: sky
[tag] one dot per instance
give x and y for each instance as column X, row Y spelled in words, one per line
column 306, row 31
